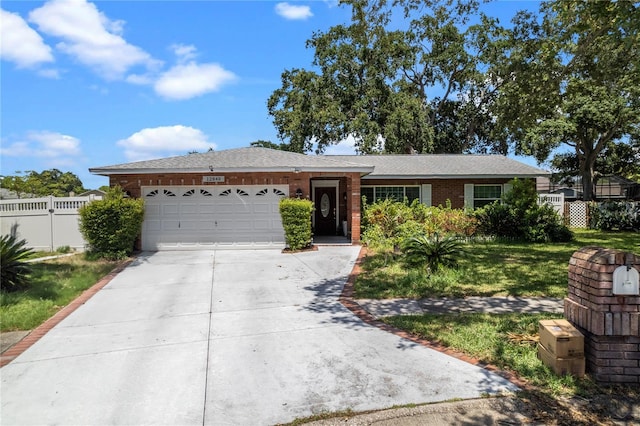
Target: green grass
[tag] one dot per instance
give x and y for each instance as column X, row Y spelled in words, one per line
column 507, row 341
column 490, row 268
column 486, row 338
column 55, row 283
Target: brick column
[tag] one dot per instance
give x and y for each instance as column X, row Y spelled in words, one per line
column 610, row 323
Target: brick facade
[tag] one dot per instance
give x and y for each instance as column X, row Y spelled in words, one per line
column 442, row 190
column 610, row 323
column 349, row 184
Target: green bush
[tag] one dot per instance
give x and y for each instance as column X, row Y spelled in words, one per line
column 111, row 225
column 616, row 216
column 520, row 217
column 296, row 221
column 432, row 252
column 388, row 223
column 16, row 272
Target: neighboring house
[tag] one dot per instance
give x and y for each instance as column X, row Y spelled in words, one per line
column 230, row 198
column 606, row 188
column 95, row 192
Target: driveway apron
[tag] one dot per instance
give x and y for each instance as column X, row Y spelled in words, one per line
column 225, row 338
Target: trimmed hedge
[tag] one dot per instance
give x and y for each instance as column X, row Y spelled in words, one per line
column 296, row 221
column 111, row 225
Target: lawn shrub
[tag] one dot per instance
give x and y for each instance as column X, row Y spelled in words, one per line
column 387, row 223
column 111, row 225
column 432, row 252
column 296, row 221
column 615, row 216
column 15, row 272
column 519, row 216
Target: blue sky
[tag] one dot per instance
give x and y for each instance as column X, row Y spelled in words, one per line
column 87, row 84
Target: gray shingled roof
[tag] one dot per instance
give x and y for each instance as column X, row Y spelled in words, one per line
column 373, row 166
column 236, row 160
column 441, row 166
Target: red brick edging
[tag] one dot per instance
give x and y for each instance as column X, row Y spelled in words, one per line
column 44, row 328
column 347, row 300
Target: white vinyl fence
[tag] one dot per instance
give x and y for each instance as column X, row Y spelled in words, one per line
column 556, row 200
column 45, row 223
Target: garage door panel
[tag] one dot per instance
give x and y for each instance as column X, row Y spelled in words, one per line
column 199, row 217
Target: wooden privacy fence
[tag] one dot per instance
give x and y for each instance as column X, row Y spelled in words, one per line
column 45, row 223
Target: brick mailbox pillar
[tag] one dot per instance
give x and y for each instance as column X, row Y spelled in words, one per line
column 610, row 321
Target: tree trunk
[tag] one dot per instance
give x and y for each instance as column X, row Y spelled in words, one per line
column 587, row 164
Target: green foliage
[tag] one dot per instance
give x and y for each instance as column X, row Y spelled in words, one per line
column 519, row 216
column 54, row 283
column 111, row 225
column 49, row 182
column 388, row 223
column 616, row 216
column 489, row 267
column 15, row 271
column 373, row 79
column 432, row 252
column 571, row 77
column 296, row 221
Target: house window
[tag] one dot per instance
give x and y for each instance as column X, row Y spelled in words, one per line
column 397, row 193
column 485, row 194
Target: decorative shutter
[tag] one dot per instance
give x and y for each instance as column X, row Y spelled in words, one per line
column 507, row 187
column 426, row 194
column 468, row 196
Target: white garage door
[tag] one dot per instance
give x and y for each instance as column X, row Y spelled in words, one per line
column 197, row 217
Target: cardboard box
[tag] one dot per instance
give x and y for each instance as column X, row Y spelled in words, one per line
column 561, row 339
column 562, row 366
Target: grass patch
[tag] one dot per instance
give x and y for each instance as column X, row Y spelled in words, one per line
column 55, row 283
column 508, row 341
column 488, row 268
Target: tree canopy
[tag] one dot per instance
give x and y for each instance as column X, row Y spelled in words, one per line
column 48, row 182
column 413, row 88
column 425, row 76
column 571, row 77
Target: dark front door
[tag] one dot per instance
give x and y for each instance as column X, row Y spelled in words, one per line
column 325, row 203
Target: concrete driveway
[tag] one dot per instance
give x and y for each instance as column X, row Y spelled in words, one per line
column 225, row 338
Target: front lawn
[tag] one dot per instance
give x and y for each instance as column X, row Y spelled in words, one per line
column 491, row 268
column 55, row 283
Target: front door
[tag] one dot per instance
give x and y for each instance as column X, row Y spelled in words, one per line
column 325, row 214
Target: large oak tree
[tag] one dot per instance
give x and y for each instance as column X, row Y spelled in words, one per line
column 401, row 77
column 571, row 76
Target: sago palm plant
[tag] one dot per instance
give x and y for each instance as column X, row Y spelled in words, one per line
column 432, row 252
column 15, row 271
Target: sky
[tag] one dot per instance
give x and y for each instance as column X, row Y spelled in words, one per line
column 88, row 84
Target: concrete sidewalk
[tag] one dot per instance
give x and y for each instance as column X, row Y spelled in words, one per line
column 494, row 305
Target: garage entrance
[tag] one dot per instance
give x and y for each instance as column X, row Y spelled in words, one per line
column 200, row 217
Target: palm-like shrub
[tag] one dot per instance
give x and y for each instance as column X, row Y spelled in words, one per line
column 15, row 271
column 432, row 252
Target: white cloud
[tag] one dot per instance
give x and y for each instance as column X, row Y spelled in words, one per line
column 21, row 44
column 185, row 81
column 289, row 11
column 161, row 141
column 344, row 147
column 185, row 53
column 56, row 148
column 90, row 37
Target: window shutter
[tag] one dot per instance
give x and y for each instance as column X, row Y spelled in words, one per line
column 426, row 194
column 506, row 188
column 468, row 195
